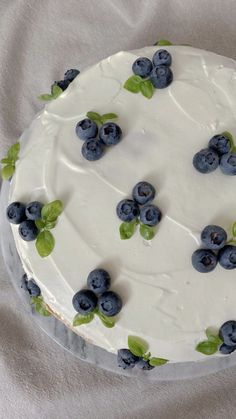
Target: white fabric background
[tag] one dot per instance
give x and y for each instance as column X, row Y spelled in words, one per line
column 39, row 40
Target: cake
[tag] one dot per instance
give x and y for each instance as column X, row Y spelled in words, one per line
column 166, row 302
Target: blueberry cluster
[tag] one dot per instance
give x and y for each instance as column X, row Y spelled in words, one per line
column 25, row 216
column 97, row 299
column 96, row 139
column 30, row 286
column 220, row 152
column 216, row 249
column 127, row 360
column 69, row 76
column 227, row 334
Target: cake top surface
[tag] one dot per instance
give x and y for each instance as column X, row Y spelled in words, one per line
column 166, row 301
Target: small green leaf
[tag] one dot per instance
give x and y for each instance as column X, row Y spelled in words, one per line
column 207, row 347
column 50, row 224
column 107, row 116
column 147, row 89
column 234, row 229
column 46, row 97
column 34, row 300
column 40, row 224
column 13, row 152
column 107, row 321
column 157, row 362
column 6, row 161
column 163, row 42
column 40, row 306
column 127, row 230
column 147, row 232
column 82, row 319
column 45, row 243
column 147, row 356
column 7, row 171
column 137, row 345
column 133, row 84
column 51, row 211
column 96, row 117
column 213, row 336
column 56, row 91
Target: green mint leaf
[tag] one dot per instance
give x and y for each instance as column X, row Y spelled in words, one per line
column 82, row 319
column 133, row 84
column 34, row 300
column 137, row 345
column 6, row 161
column 107, row 116
column 50, row 224
column 163, row 42
column 127, row 230
column 46, row 97
column 147, row 356
column 147, row 232
column 106, row 321
column 40, row 224
column 157, row 362
column 96, row 117
column 42, row 310
column 51, row 211
column 207, row 347
column 7, row 171
column 234, row 229
column 147, row 89
column 213, row 336
column 45, row 243
column 56, row 91
column 13, row 152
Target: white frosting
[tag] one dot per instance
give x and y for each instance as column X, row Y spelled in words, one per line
column 166, row 301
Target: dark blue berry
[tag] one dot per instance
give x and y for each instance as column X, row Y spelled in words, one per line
column 144, row 365
column 127, row 210
column 109, row 303
column 126, row 359
column 24, row 282
column 99, row 281
column 33, row 289
column 214, row 237
column 162, row 57
column 84, row 301
column 143, row 193
column 206, row 160
column 110, row 133
column 227, row 257
column 86, row 129
column 204, row 260
column 28, row 230
column 92, row 149
column 16, row 212
column 226, row 350
column 220, row 143
column 71, row 74
column 150, row 215
column 228, row 164
column 161, row 76
column 228, row 333
column 63, row 84
column 142, row 67
column 33, row 210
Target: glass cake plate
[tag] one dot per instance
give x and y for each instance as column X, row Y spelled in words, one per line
column 74, row 343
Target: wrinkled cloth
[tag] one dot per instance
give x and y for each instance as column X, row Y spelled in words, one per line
column 39, row 40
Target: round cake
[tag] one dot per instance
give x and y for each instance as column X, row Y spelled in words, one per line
column 166, row 301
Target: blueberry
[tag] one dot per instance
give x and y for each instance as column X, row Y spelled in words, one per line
column 143, row 193
column 226, row 350
column 206, row 160
column 110, row 133
column 28, row 230
column 142, row 67
column 84, row 301
column 228, row 164
column 162, row 57
column 144, row 365
column 33, row 210
column 227, row 257
column 228, row 333
column 92, row 149
column 161, row 76
column 127, row 210
column 204, row 260
column 150, row 215
column 16, row 212
column 86, row 129
column 71, row 74
column 220, row 143
column 33, row 289
column 214, row 237
column 99, row 281
column 126, row 359
column 63, row 84
column 109, row 303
